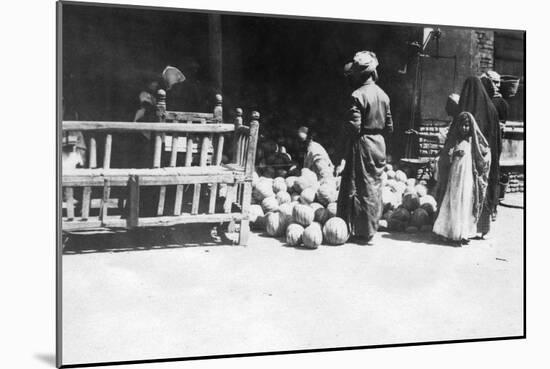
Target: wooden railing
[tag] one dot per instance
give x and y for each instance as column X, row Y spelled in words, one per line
column 99, row 197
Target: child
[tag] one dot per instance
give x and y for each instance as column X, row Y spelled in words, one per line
column 463, row 174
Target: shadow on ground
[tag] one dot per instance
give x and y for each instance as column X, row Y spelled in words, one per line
column 191, row 235
column 425, row 238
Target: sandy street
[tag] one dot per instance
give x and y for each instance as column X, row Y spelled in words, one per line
column 126, row 300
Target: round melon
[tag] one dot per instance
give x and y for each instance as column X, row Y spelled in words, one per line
column 327, row 193
column 312, row 236
column 419, row 218
column 429, row 204
column 307, row 196
column 255, row 212
column 275, row 224
column 401, row 214
column 421, row 190
column 408, row 190
column 387, row 215
column 396, row 225
column 309, row 174
column 388, row 167
column 322, row 215
column 270, row 204
column 411, row 182
column 391, row 174
column 294, row 233
column 335, row 231
column 281, row 173
column 283, row 197
column 399, row 187
column 279, row 185
column 286, row 209
column 301, row 183
column 303, row 214
column 332, row 208
column 400, row 176
column 262, row 190
column 411, row 201
column 289, row 181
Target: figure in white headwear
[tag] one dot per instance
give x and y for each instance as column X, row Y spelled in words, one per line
column 362, row 152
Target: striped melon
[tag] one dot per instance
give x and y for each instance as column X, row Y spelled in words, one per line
column 335, row 231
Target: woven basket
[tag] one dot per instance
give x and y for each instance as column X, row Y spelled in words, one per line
column 509, row 86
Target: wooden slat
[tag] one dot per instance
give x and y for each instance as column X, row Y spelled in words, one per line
column 174, row 153
column 148, row 127
column 189, row 151
column 107, row 154
column 69, row 200
column 202, row 164
column 118, row 222
column 152, row 177
column 104, row 205
column 162, row 200
column 92, row 160
column 158, row 150
column 133, row 202
column 214, row 186
column 86, row 199
column 188, row 116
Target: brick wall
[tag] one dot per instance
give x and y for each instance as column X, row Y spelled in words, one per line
column 483, row 46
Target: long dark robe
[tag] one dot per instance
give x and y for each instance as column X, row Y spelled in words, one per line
column 364, row 148
column 475, row 100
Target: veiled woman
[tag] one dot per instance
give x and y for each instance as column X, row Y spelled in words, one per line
column 464, row 165
column 363, row 149
column 475, row 100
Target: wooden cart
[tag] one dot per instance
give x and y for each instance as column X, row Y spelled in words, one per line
column 88, row 200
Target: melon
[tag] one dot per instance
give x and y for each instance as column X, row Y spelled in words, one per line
column 279, row 185
column 335, row 231
column 411, row 182
column 283, row 197
column 303, row 214
column 312, row 236
column 294, row 233
column 388, row 167
column 327, row 193
column 270, row 204
column 255, row 212
column 384, row 177
column 383, row 224
column 275, row 223
column 286, row 209
column 389, row 199
column 396, row 225
column 387, row 215
column 429, row 204
column 281, row 173
column 419, row 218
column 302, row 183
column 332, row 208
column 391, row 174
column 322, row 215
column 309, row 174
column 411, row 201
column 289, row 181
column 262, row 190
column 401, row 214
column 399, row 187
column 400, row 176
column 426, row 228
column 408, row 190
column 421, row 190
column 307, row 196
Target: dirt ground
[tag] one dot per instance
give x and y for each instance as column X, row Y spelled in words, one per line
column 145, row 295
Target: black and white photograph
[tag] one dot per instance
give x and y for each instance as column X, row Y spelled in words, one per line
column 234, row 183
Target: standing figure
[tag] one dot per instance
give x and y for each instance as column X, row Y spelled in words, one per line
column 474, row 99
column 463, row 175
column 362, row 152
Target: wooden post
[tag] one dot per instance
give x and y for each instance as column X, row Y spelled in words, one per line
column 92, row 163
column 215, row 50
column 218, row 109
column 108, row 146
column 238, row 122
column 69, row 201
column 252, row 144
column 86, row 200
column 104, row 205
column 133, row 202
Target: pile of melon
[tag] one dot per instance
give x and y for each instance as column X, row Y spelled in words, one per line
column 407, row 204
column 301, row 209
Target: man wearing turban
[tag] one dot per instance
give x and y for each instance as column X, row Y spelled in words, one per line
column 362, row 154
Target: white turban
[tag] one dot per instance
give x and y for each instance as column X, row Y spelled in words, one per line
column 365, row 61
